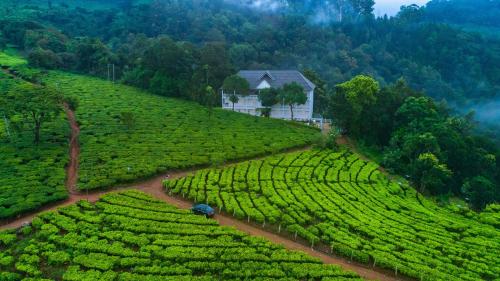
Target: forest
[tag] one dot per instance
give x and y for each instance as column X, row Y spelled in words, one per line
column 415, row 76
column 439, row 59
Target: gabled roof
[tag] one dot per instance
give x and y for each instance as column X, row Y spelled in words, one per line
column 276, row 78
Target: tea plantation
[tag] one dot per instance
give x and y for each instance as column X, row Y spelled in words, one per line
column 159, row 134
column 163, row 133
column 7, row 60
column 340, row 200
column 131, row 236
column 30, row 176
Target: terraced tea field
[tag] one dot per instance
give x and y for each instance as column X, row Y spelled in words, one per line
column 160, row 134
column 131, row 236
column 166, row 133
column 30, row 176
column 8, row 60
column 338, row 199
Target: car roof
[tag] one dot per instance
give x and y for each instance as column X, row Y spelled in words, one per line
column 204, row 207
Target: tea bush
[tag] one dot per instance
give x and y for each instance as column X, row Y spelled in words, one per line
column 163, row 134
column 30, row 175
column 341, row 200
column 131, row 236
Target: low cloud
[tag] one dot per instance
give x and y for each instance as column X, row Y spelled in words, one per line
column 318, row 12
column 488, row 112
column 263, row 5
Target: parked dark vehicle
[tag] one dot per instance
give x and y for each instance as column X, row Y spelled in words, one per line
column 203, row 209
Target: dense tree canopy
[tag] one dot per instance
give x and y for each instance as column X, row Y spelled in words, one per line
column 441, row 60
column 34, row 104
column 350, row 100
column 437, row 151
column 292, row 95
column 236, row 86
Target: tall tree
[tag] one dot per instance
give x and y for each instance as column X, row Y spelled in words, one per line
column 268, row 97
column 293, row 94
column 210, row 99
column 379, row 122
column 431, row 175
column 35, row 104
column 363, row 7
column 236, row 86
column 481, row 191
column 351, row 99
column 216, row 57
column 320, row 92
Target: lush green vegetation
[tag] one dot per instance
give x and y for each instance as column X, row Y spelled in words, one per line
column 128, row 134
column 435, row 59
column 443, row 61
column 439, row 152
column 31, row 175
column 343, row 201
column 131, row 236
column 464, row 13
column 8, row 60
column 164, row 133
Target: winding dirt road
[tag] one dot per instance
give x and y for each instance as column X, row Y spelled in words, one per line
column 155, row 188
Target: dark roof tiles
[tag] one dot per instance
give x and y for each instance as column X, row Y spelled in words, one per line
column 276, row 78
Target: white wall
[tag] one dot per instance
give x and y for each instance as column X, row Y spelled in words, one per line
column 250, row 104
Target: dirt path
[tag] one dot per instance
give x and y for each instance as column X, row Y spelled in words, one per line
column 155, row 188
column 74, row 152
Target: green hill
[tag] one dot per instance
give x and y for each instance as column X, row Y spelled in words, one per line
column 343, row 201
column 166, row 133
column 126, row 134
column 31, row 176
column 131, row 236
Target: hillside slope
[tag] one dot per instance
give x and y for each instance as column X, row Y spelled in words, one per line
column 132, row 236
column 30, row 176
column 338, row 199
column 128, row 134
column 163, row 133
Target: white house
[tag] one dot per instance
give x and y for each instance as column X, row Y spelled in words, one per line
column 262, row 79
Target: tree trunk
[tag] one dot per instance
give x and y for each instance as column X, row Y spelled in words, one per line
column 291, row 111
column 37, row 132
column 233, row 106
